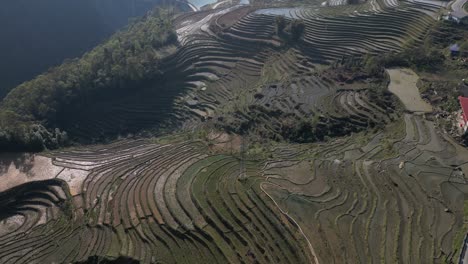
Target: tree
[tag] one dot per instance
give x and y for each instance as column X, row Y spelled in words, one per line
column 291, row 30
column 280, row 24
column 297, row 29
column 372, row 65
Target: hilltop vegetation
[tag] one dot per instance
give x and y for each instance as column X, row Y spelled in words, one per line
column 290, row 31
column 30, row 113
column 37, row 35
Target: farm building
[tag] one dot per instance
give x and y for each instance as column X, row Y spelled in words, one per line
column 451, row 18
column 463, row 123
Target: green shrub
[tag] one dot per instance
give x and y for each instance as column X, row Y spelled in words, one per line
column 280, row 24
column 297, row 29
column 373, row 65
column 290, row 30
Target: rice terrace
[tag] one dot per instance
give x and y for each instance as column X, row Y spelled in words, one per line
column 256, row 131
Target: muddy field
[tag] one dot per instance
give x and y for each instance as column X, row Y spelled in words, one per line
column 403, row 85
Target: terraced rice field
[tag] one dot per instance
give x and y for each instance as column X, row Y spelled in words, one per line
column 180, row 202
column 398, row 205
column 224, row 60
column 394, row 193
column 167, row 203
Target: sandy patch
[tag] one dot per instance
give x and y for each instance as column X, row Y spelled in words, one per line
column 184, row 32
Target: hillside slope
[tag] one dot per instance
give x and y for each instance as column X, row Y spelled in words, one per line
column 265, row 134
column 37, row 35
column 123, row 65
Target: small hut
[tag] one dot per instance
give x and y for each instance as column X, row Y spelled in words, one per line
column 455, row 50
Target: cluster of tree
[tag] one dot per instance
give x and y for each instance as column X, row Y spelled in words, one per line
column 447, row 33
column 286, row 126
column 290, row 30
column 16, row 133
column 127, row 58
column 420, row 57
column 351, row 68
column 426, row 56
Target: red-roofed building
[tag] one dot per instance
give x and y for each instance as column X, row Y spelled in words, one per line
column 464, row 116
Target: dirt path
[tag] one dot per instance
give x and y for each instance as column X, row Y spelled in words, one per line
column 311, row 248
column 403, row 84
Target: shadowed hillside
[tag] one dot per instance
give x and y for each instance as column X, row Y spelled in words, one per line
column 39, row 34
column 124, row 66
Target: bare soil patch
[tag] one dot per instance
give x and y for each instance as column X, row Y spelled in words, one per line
column 25, row 168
